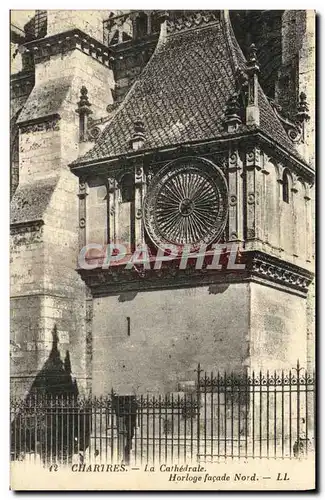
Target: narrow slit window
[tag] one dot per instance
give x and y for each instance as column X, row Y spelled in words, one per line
column 285, row 187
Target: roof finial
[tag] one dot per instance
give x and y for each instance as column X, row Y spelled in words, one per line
column 252, row 110
column 232, row 114
column 252, row 57
column 241, row 78
column 302, row 115
column 302, row 109
column 138, row 136
column 83, row 111
column 84, row 104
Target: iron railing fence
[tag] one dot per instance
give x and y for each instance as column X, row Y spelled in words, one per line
column 225, row 416
column 262, row 415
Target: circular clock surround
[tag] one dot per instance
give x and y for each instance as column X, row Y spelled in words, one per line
column 186, row 203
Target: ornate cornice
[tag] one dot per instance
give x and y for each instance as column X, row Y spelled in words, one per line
column 187, row 19
column 26, row 227
column 259, row 267
column 280, row 272
column 244, row 139
column 103, row 282
column 67, row 41
column 45, row 123
column 130, row 47
column 22, row 83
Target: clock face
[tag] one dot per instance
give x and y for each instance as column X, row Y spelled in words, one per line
column 186, row 204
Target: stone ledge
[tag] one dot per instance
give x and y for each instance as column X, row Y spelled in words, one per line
column 259, row 267
column 22, row 79
column 26, row 227
column 67, row 41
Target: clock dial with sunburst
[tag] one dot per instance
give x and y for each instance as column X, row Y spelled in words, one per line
column 186, row 204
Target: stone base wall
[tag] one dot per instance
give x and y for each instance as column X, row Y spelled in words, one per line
column 167, row 334
column 278, row 328
column 153, row 341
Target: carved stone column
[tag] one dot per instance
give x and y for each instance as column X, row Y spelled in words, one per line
column 266, row 202
column 140, row 188
column 111, row 210
column 295, row 238
column 236, row 212
column 82, row 195
column 149, row 13
column 281, row 228
column 254, row 180
column 116, row 211
column 252, row 110
column 83, row 111
column 309, row 238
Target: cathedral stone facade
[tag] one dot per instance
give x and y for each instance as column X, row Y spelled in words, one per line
column 151, row 128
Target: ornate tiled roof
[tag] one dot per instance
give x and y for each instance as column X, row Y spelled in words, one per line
column 182, row 92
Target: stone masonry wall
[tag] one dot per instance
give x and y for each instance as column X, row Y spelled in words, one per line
column 277, row 329
column 298, row 55
column 46, row 289
column 298, row 71
column 171, row 331
column 88, row 21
